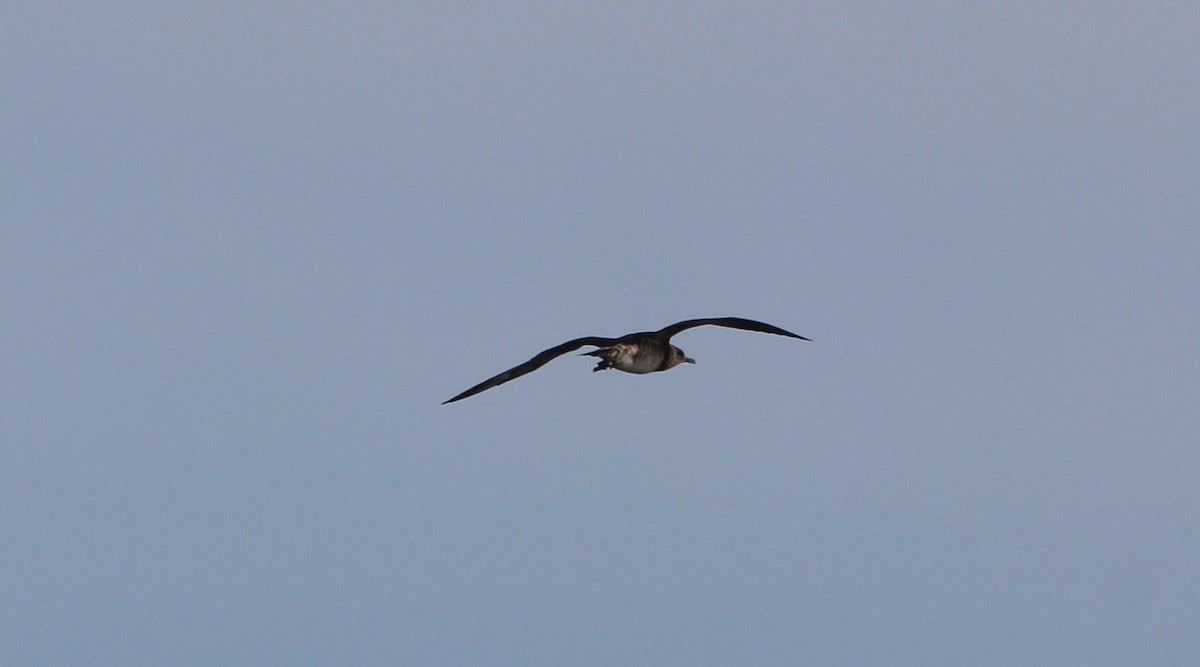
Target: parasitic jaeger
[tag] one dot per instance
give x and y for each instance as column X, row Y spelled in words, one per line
column 640, row 353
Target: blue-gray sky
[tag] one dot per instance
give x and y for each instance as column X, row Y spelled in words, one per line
column 247, row 251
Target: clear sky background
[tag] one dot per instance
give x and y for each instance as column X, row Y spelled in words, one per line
column 247, row 249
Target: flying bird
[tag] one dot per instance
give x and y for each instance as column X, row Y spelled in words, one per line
column 640, row 353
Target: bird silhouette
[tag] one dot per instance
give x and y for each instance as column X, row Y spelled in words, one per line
column 640, row 353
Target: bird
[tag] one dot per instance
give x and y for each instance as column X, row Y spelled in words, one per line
column 639, row 353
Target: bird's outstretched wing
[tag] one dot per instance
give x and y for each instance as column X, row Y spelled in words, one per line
column 732, row 322
column 533, row 364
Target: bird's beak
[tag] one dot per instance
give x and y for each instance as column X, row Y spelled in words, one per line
column 689, row 360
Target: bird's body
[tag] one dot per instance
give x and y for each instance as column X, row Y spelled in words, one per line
column 638, row 353
column 639, row 356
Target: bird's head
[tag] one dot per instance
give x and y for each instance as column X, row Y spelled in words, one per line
column 678, row 357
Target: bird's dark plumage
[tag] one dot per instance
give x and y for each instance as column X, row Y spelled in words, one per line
column 642, row 352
